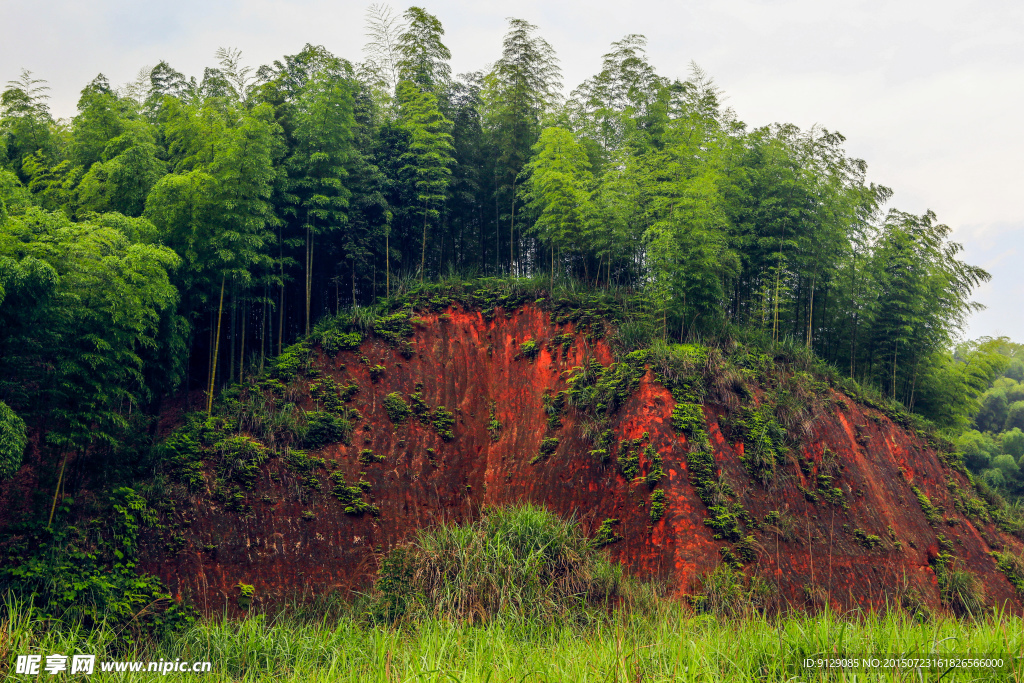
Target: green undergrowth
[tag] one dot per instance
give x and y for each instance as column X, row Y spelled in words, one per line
column 86, row 576
column 1011, row 564
column 333, row 640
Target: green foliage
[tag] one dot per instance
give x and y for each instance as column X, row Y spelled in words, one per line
column 240, row 459
column 13, row 440
column 655, row 473
column 547, row 448
column 292, row 362
column 724, row 520
column 326, row 428
column 394, row 329
column 554, row 406
column 419, row 407
column 87, row 576
column 1012, row 565
column 764, row 441
column 629, row 456
column 367, row 456
column 333, row 341
column 305, row 465
column 960, row 589
column 867, row 540
column 688, row 418
column 246, row 593
column 657, row 504
column 605, row 534
column 443, row 420
column 600, row 390
column 351, row 495
column 931, row 513
column 493, row 423
column 728, row 592
column 521, row 562
column 182, row 451
column 397, row 409
column 529, row 349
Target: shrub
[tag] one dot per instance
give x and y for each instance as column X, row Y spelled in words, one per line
column 493, row 423
column 764, row 441
column 529, row 348
column 931, row 513
column 241, row 459
column 521, row 561
column 13, row 440
column 657, row 504
column 605, row 534
column 398, row 410
column 728, row 592
column 962, row 591
column 367, row 456
column 325, row 428
column 547, row 447
column 333, row 341
column 443, row 421
column 1012, row 565
column 351, row 495
column 867, row 540
column 419, row 407
column 293, row 360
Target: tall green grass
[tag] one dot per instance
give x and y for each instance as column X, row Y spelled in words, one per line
column 522, row 562
column 668, row 644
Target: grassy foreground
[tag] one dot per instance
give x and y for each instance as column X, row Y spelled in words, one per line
column 672, row 644
column 519, row 595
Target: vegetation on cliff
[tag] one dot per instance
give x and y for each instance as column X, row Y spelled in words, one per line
column 219, row 235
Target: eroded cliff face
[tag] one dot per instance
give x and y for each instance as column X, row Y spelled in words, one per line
column 286, row 538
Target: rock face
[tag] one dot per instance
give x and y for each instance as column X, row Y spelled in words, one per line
column 872, row 543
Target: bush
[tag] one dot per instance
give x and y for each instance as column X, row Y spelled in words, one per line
column 728, row 592
column 1007, row 464
column 1013, row 442
column 398, row 410
column 12, row 441
column 962, row 591
column 529, row 348
column 443, row 421
column 324, row 428
column 522, row 561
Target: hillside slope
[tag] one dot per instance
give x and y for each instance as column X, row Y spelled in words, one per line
column 858, row 508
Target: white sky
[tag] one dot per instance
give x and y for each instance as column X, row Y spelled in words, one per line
column 928, row 92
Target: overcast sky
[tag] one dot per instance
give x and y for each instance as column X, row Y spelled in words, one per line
column 929, row 93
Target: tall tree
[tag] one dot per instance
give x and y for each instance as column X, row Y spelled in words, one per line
column 429, row 157
column 557, row 189
column 25, row 121
column 323, row 133
column 521, row 88
column 422, row 57
column 381, row 70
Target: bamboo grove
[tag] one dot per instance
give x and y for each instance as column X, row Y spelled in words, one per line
column 179, row 230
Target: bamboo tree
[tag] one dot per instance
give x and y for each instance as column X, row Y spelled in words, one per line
column 429, row 157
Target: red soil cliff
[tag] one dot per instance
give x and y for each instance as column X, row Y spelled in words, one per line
column 293, row 540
